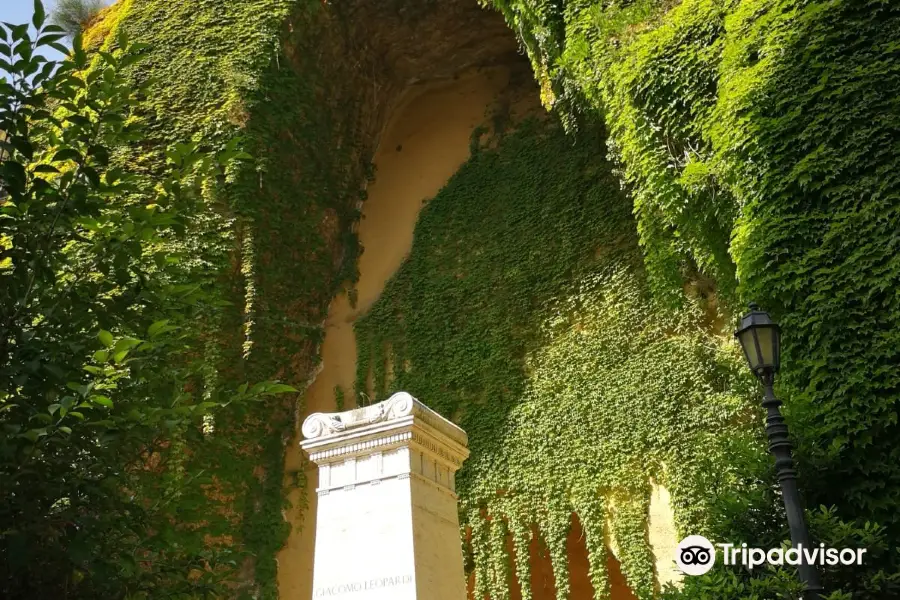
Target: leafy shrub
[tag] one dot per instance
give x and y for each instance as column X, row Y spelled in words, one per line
column 103, row 317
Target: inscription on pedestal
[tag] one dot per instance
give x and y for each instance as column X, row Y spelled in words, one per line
column 340, row 590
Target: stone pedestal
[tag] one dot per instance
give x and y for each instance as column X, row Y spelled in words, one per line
column 387, row 526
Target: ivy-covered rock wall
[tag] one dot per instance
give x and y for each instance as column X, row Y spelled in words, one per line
column 307, row 85
column 758, row 142
column 269, row 71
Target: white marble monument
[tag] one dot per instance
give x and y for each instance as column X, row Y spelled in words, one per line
column 387, row 526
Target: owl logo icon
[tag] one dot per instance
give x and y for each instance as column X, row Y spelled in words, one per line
column 695, row 555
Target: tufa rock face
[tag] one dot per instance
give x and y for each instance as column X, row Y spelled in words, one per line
column 377, row 49
column 413, row 40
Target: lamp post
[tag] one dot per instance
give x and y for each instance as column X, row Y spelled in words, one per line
column 760, row 339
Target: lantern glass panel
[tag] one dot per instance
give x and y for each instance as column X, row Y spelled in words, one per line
column 766, row 337
column 748, row 344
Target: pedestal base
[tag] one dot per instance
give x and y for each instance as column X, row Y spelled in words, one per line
column 387, row 526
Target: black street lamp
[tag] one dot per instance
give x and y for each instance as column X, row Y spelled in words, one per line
column 760, row 339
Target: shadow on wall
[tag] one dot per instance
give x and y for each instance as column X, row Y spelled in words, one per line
column 424, row 76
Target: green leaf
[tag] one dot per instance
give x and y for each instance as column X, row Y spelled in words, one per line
column 79, row 57
column 39, row 15
column 78, row 120
column 122, row 38
column 174, row 157
column 49, row 38
column 100, row 153
column 46, row 72
column 112, row 118
column 67, row 154
column 113, row 175
column 65, row 429
column 106, row 338
column 19, row 32
column 109, row 58
column 280, row 388
column 22, row 145
column 58, row 47
column 126, row 343
column 92, row 175
column 159, row 328
column 32, row 435
column 102, row 401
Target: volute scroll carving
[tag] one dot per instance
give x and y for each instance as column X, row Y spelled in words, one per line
column 319, row 425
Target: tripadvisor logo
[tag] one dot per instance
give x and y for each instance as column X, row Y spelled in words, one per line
column 696, row 555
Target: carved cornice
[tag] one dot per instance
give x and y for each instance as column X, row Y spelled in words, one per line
column 399, row 406
column 319, row 425
column 361, row 447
